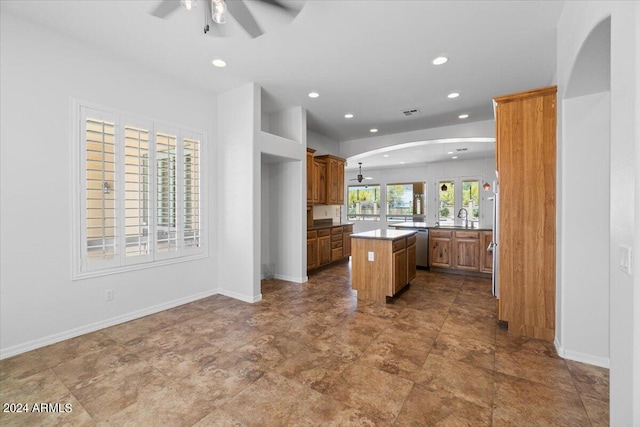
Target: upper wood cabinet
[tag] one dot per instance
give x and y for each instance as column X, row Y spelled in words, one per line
column 310, row 152
column 526, row 165
column 329, row 180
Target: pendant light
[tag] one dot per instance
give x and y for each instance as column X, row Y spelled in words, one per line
column 444, row 185
column 486, row 186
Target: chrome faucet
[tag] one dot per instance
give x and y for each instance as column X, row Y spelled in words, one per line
column 466, row 217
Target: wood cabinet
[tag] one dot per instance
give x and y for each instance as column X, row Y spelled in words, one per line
column 319, row 189
column 310, row 170
column 312, row 249
column 467, row 250
column 440, row 249
column 411, row 258
column 382, row 266
column 329, row 180
column 327, row 245
column 526, row 165
column 457, row 250
column 486, row 256
column 324, row 247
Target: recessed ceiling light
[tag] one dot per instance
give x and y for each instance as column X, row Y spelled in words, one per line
column 219, row 63
column 453, row 95
column 463, row 116
column 454, row 157
column 449, row 152
column 373, row 130
column 313, row 94
column 348, row 116
column 385, row 155
column 402, row 163
column 440, row 60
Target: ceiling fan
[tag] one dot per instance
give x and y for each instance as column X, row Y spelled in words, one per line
column 217, row 11
column 360, row 177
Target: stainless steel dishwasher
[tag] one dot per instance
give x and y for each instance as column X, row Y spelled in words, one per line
column 422, row 248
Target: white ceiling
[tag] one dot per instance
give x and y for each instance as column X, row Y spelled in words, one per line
column 371, row 58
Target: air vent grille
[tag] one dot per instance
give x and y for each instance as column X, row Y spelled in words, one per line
column 411, row 112
column 461, row 149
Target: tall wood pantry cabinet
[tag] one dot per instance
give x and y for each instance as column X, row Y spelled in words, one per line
column 526, row 165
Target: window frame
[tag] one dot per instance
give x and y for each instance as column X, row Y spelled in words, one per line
column 81, row 268
column 365, row 217
column 457, row 197
column 412, row 217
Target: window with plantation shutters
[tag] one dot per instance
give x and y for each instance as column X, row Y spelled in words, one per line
column 140, row 188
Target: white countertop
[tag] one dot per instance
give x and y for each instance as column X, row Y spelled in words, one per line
column 384, row 234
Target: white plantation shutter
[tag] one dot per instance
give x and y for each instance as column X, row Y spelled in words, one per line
column 191, row 191
column 140, row 198
column 137, row 193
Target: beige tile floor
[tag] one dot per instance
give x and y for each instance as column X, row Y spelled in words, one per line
column 311, row 354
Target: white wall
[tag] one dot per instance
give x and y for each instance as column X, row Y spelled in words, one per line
column 583, row 326
column 575, row 24
column 322, row 144
column 40, row 72
column 430, row 173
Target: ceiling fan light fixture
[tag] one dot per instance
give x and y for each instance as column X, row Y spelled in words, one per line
column 219, row 11
column 189, row 4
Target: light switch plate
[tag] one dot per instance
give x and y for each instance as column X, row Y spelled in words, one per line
column 370, row 256
column 625, row 259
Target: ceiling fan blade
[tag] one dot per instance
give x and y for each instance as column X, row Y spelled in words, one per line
column 241, row 13
column 165, row 8
column 276, row 3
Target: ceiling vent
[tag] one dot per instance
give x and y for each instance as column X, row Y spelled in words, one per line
column 411, row 112
column 461, row 149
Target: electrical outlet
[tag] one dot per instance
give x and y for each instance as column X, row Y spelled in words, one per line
column 370, row 256
column 625, row 257
column 108, row 295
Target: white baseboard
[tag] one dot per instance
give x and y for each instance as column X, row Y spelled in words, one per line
column 291, row 278
column 241, row 297
column 92, row 327
column 590, row 359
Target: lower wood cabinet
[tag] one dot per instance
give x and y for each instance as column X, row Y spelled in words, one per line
column 460, row 250
column 327, row 245
column 381, row 267
column 486, row 255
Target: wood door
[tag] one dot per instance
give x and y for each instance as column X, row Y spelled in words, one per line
column 310, row 176
column 324, row 250
column 526, row 143
column 340, row 182
column 332, row 181
column 312, row 253
column 467, row 253
column 346, row 244
column 320, row 182
column 399, row 270
column 440, row 251
column 411, row 262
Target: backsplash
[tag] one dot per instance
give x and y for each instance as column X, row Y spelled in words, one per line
column 327, row 212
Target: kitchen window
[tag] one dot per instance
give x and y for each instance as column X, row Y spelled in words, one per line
column 363, row 203
column 405, row 202
column 454, row 195
column 139, row 193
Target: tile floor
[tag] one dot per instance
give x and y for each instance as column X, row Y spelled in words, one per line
column 311, row 354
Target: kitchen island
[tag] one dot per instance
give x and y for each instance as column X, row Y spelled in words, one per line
column 382, row 262
column 454, row 249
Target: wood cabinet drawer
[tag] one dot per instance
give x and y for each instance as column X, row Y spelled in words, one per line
column 399, row 244
column 336, row 244
column 348, row 229
column 440, row 233
column 336, row 254
column 336, row 237
column 467, row 234
column 336, row 230
column 324, row 232
column 312, row 234
column 411, row 240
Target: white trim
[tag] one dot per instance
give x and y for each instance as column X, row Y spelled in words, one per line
column 590, row 359
column 72, row 333
column 238, row 296
column 291, row 278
